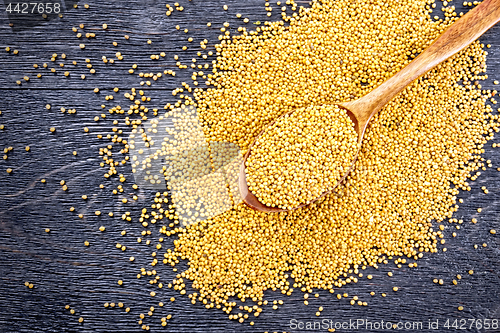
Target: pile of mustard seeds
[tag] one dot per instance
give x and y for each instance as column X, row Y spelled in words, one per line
column 417, row 153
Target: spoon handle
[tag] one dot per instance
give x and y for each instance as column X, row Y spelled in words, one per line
column 457, row 37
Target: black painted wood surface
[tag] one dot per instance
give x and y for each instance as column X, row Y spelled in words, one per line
column 64, row 271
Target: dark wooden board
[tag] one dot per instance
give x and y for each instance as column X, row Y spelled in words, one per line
column 64, row 271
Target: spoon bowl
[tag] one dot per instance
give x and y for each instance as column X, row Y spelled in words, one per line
column 251, row 200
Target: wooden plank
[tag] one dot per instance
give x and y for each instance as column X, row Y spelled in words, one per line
column 64, row 271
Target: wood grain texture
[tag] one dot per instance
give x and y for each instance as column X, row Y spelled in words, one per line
column 64, row 271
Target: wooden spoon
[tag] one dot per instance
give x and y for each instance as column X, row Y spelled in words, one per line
column 457, row 37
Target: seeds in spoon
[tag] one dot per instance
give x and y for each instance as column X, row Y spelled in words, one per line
column 301, row 156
